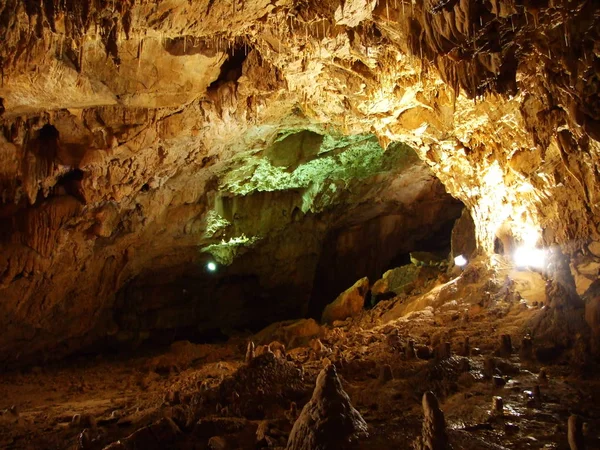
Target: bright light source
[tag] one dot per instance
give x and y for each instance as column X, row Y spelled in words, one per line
column 530, row 257
column 211, row 266
column 460, row 260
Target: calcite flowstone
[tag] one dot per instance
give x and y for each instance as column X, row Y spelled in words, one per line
column 328, row 421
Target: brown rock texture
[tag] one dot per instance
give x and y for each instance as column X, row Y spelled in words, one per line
column 434, row 435
column 328, row 421
column 348, row 304
column 142, row 139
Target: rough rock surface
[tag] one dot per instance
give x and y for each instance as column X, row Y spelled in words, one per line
column 348, row 304
column 138, row 138
column 328, row 421
column 434, row 435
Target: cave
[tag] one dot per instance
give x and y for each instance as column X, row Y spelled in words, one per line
column 312, row 225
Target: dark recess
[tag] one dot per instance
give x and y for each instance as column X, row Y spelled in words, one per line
column 231, row 70
column 372, row 260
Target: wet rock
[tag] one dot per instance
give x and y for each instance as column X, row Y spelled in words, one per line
column 348, row 304
column 575, row 433
column 433, row 435
column 328, row 421
column 543, row 377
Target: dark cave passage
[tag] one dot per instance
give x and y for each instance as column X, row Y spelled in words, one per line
column 369, row 250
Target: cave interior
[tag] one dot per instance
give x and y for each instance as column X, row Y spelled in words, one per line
column 300, row 224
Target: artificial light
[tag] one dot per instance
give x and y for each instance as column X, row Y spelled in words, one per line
column 530, row 257
column 460, row 261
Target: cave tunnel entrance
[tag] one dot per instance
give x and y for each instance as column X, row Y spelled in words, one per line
column 369, row 250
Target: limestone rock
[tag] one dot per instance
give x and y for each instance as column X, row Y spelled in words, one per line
column 395, row 281
column 328, row 421
column 434, row 426
column 348, row 304
column 594, row 248
column 464, row 239
column 290, row 333
column 575, row 433
column 427, row 259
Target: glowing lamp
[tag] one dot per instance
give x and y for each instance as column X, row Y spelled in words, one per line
column 211, row 266
column 530, row 257
column 460, row 261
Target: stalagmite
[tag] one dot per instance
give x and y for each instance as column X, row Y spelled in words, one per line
column 328, row 421
column 526, row 351
column 385, row 374
column 433, row 436
column 250, row 352
column 506, row 348
column 410, row 350
column 575, row 433
column 497, row 405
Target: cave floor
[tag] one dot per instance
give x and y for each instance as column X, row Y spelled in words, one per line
column 112, row 396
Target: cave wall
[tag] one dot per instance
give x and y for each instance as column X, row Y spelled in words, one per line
column 121, row 120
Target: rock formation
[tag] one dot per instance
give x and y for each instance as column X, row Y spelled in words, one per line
column 348, row 304
column 328, row 421
column 141, row 141
column 433, row 436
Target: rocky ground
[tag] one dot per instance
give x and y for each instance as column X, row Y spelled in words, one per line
column 445, row 334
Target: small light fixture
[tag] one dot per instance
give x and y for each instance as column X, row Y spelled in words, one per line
column 211, row 267
column 532, row 257
column 460, row 261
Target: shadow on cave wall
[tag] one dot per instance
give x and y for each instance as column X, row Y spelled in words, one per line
column 370, row 250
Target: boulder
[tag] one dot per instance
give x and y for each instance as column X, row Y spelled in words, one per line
column 348, row 304
column 399, row 280
column 328, row 421
column 290, row 333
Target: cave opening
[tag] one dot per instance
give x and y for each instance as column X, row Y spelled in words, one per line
column 369, row 250
column 231, row 69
